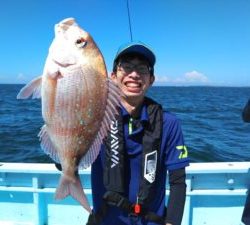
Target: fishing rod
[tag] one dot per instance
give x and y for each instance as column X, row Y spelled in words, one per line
column 129, row 21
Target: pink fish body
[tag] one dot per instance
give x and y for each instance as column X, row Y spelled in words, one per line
column 78, row 103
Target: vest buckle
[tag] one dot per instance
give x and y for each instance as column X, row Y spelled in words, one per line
column 137, row 208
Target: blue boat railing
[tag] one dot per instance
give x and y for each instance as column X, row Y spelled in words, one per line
column 216, row 194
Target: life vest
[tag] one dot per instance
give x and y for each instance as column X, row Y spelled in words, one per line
column 115, row 167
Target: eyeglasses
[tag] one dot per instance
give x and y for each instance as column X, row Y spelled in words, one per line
column 128, row 68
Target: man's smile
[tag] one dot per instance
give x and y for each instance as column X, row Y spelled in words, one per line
column 132, row 84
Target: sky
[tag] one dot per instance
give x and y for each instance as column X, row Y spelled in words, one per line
column 196, row 42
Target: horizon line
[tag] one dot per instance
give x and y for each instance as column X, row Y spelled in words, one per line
column 167, row 85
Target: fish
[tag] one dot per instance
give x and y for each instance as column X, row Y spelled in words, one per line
column 78, row 103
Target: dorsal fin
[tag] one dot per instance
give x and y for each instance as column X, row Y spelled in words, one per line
column 113, row 101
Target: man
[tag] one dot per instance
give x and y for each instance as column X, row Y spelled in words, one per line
column 246, row 212
column 123, row 189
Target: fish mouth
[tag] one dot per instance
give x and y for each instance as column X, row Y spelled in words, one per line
column 64, row 65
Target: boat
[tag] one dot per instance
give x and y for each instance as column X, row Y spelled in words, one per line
column 216, row 194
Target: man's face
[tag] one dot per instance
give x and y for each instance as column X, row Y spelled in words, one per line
column 133, row 77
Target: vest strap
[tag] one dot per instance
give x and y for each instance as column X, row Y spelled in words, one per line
column 114, row 199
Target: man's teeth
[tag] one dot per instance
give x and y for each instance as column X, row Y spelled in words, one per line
column 132, row 85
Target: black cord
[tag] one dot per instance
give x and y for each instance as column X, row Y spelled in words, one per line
column 129, row 21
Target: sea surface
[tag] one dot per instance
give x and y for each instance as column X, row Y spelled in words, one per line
column 210, row 117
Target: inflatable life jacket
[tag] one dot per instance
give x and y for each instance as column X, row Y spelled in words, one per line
column 114, row 170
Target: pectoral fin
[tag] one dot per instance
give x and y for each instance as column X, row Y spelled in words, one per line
column 33, row 89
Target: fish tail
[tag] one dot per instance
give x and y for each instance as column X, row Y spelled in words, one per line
column 72, row 186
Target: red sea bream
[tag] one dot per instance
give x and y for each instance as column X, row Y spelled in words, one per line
column 78, row 103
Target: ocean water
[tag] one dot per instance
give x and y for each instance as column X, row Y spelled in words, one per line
column 210, row 117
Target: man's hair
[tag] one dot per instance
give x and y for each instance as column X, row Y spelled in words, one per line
column 130, row 56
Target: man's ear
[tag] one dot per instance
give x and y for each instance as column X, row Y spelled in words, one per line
column 113, row 76
column 152, row 79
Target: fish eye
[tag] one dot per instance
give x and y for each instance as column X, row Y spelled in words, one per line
column 80, row 43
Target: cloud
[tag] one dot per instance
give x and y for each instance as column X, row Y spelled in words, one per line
column 189, row 78
column 195, row 76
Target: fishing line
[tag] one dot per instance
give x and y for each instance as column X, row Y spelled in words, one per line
column 129, row 22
